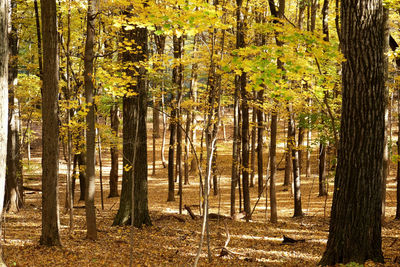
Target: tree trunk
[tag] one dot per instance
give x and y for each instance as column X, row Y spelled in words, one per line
column 272, row 158
column 260, row 143
column 50, row 131
column 13, row 191
column 300, row 149
column 3, row 101
column 240, row 43
column 235, row 157
column 296, row 175
column 134, row 135
column 323, row 182
column 355, row 227
column 398, row 160
column 114, row 151
column 141, row 211
column 90, row 122
column 82, row 175
column 253, row 144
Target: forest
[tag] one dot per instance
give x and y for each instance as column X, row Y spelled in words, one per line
column 199, row 132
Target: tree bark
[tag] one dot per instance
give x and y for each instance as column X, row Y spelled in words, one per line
column 240, row 43
column 355, row 227
column 14, row 190
column 323, row 183
column 134, row 134
column 4, row 102
column 90, row 122
column 50, row 129
column 114, row 152
column 272, row 158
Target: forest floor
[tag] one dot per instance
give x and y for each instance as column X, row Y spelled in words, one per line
column 174, row 239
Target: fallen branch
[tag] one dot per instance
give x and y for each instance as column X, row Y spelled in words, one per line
column 189, row 210
column 288, row 240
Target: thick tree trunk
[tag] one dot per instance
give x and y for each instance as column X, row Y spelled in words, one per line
column 134, row 136
column 3, row 102
column 114, row 152
column 90, row 122
column 355, row 227
column 398, row 161
column 50, row 131
column 141, row 211
column 398, row 179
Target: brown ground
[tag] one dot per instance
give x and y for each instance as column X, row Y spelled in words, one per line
column 171, row 242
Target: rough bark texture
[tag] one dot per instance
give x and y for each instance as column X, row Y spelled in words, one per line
column 135, row 136
column 355, row 227
column 90, row 122
column 114, row 152
column 141, row 211
column 3, row 101
column 50, row 211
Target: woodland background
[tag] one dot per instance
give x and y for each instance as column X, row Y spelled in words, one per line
column 225, row 108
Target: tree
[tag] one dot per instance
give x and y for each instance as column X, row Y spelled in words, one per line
column 50, row 129
column 3, row 100
column 355, row 226
column 90, row 122
column 14, row 190
column 134, row 129
column 114, row 152
column 242, row 80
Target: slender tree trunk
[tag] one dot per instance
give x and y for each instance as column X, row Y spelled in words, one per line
column 178, row 82
column 355, row 226
column 300, row 149
column 39, row 39
column 260, row 142
column 114, row 151
column 272, row 158
column 4, row 102
column 13, row 192
column 50, row 131
column 156, row 118
column 296, row 177
column 82, row 175
column 90, row 122
column 323, row 183
column 288, row 161
column 240, row 43
column 235, row 157
column 253, row 144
